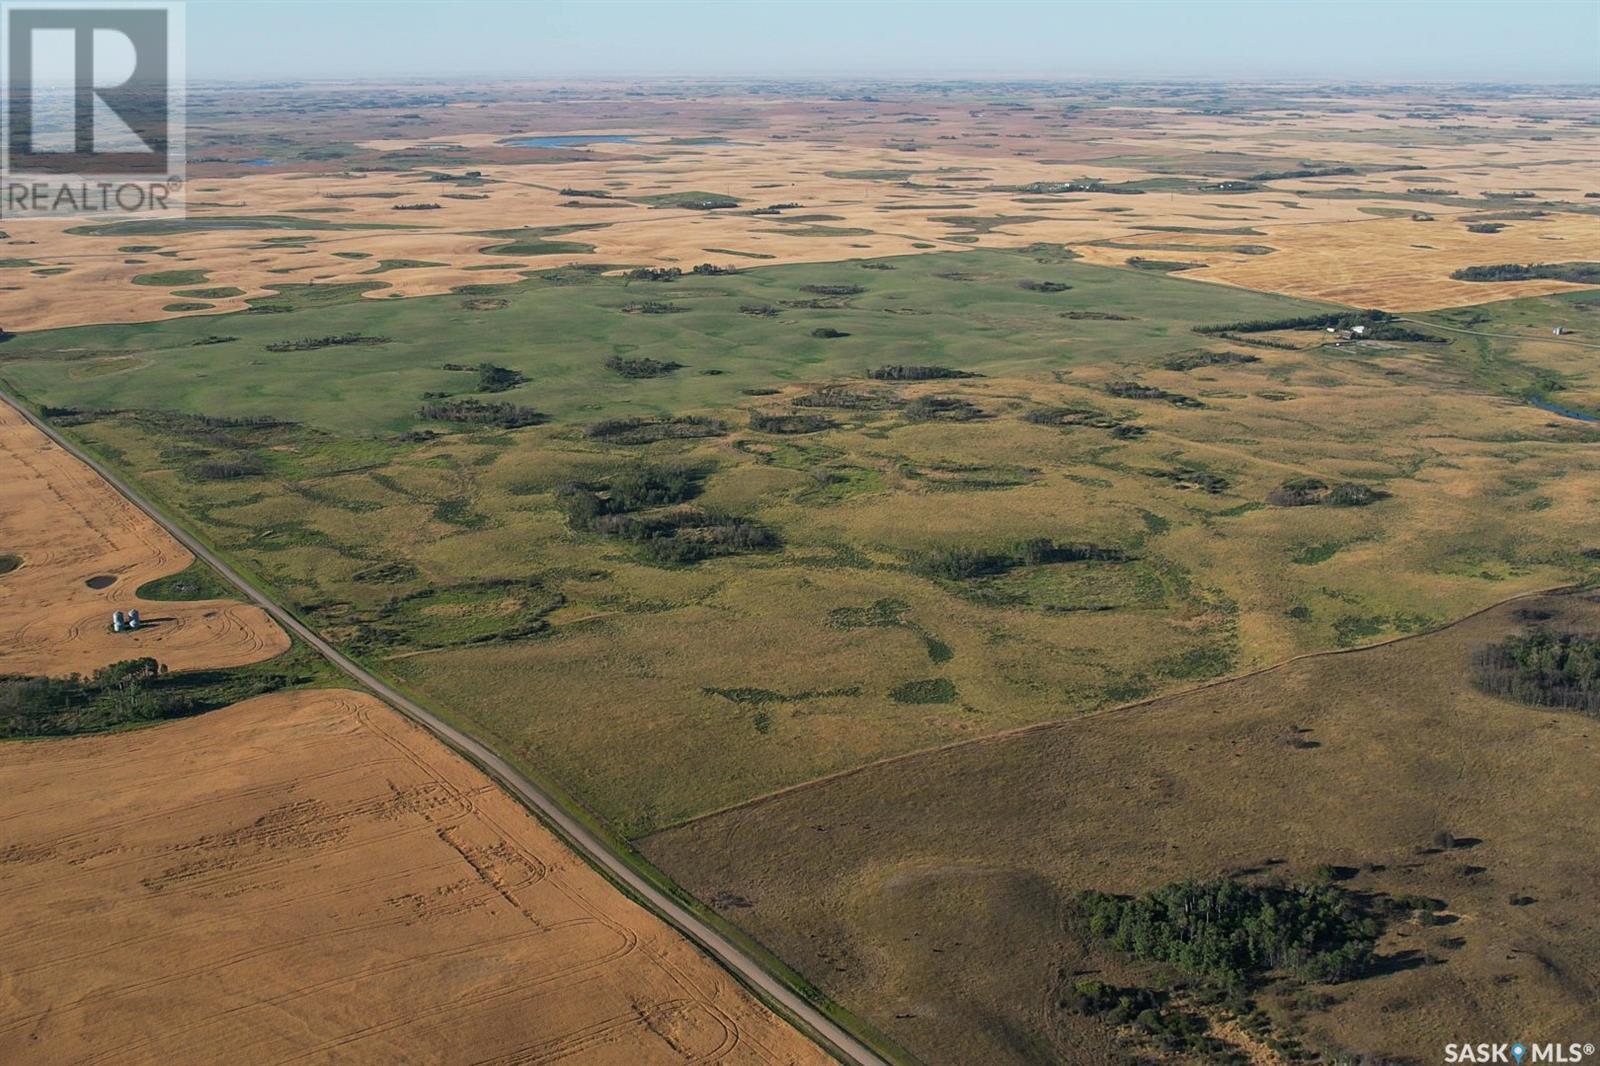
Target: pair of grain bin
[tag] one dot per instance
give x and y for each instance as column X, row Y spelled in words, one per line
column 119, row 622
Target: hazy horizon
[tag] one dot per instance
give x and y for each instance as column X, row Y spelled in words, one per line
column 1449, row 41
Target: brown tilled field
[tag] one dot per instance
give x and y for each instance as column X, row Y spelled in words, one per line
column 936, row 885
column 69, row 528
column 308, row 877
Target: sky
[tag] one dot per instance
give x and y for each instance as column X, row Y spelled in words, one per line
column 1383, row 40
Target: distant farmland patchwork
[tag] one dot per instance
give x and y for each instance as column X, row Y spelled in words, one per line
column 413, row 211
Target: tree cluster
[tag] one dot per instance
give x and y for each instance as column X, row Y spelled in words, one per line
column 1545, row 669
column 1164, row 266
column 1147, row 1011
column 1310, row 491
column 788, row 422
column 1395, row 332
column 482, row 412
column 963, row 564
column 1235, row 934
column 228, row 468
column 1050, row 188
column 1340, row 320
column 642, row 505
column 642, row 430
column 1580, row 273
column 656, row 273
column 641, row 367
column 336, row 340
column 1083, row 416
column 1196, row 360
column 942, row 409
column 492, row 378
column 904, row 372
column 689, row 535
column 632, row 488
column 845, row 398
column 653, row 307
column 123, row 693
column 1133, row 390
column 1203, row 480
column 1304, row 172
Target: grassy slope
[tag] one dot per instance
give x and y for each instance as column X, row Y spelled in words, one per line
column 559, row 335
column 360, row 528
column 934, row 885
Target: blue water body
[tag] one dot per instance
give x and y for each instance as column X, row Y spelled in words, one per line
column 259, row 162
column 1564, row 412
column 573, row 140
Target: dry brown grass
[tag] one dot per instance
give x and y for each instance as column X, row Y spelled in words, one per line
column 308, row 876
column 935, row 884
column 68, row 526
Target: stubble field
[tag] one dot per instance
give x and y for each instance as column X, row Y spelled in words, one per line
column 70, row 532
column 306, row 875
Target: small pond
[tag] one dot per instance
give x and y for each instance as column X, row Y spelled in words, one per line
column 1564, row 412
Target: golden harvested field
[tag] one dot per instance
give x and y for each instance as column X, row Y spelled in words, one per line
column 937, row 883
column 1393, row 263
column 68, row 526
column 308, row 877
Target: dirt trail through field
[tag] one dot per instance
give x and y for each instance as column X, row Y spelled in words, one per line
column 308, row 876
column 72, row 532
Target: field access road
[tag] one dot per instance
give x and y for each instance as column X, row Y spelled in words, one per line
column 828, row 1033
column 1552, row 339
